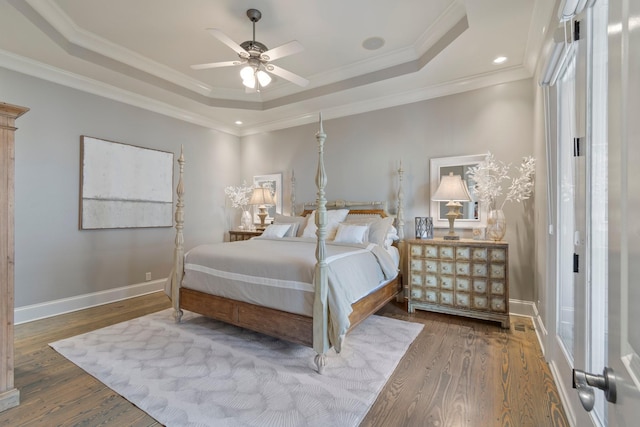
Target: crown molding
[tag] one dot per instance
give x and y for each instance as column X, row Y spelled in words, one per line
column 55, row 75
column 455, row 13
column 77, row 36
column 45, row 72
column 478, row 81
column 73, row 34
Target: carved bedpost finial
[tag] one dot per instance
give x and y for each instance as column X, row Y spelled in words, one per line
column 400, row 213
column 178, row 252
column 320, row 308
column 293, row 193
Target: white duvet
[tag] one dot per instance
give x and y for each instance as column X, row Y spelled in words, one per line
column 278, row 273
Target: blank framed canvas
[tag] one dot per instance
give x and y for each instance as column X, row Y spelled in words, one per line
column 124, row 186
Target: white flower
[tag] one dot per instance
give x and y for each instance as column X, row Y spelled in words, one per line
column 240, row 195
column 489, row 174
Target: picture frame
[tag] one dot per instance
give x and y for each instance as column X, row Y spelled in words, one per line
column 273, row 181
column 124, row 186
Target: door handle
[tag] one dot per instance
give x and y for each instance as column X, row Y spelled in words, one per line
column 584, row 383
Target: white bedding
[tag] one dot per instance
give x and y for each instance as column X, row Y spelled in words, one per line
column 278, row 273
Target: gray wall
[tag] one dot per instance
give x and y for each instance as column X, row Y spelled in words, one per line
column 54, row 259
column 362, row 154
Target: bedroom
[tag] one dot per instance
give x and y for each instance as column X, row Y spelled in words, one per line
column 505, row 118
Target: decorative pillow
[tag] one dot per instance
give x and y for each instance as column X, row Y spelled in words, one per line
column 334, row 217
column 297, row 224
column 276, row 231
column 351, row 233
column 378, row 227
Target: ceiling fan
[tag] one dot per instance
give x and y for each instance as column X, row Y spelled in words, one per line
column 257, row 57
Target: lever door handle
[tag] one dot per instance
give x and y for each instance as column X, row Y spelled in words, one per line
column 584, row 383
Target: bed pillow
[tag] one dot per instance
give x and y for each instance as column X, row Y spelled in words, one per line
column 378, row 227
column 276, row 231
column 297, row 224
column 334, row 218
column 351, row 233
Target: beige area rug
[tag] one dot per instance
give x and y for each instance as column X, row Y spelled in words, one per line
column 205, row 373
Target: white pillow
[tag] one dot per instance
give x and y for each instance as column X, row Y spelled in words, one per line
column 378, row 227
column 334, row 217
column 276, row 231
column 297, row 223
column 351, row 233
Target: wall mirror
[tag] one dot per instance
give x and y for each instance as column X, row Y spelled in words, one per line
column 473, row 213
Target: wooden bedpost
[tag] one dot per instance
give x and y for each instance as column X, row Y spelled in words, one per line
column 293, row 193
column 320, row 311
column 400, row 227
column 400, row 213
column 178, row 252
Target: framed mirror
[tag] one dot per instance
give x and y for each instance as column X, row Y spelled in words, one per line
column 473, row 213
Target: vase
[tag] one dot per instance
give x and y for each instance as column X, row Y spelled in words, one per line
column 496, row 225
column 246, row 221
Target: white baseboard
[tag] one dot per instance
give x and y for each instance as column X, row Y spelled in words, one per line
column 564, row 396
column 529, row 309
column 522, row 308
column 43, row 310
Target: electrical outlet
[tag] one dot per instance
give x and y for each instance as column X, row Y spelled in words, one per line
column 147, row 276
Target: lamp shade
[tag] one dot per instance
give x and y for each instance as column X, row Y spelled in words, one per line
column 262, row 196
column 251, row 74
column 451, row 188
column 263, row 78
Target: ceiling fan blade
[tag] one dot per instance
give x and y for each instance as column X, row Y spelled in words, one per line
column 287, row 75
column 282, row 51
column 226, row 40
column 216, row 65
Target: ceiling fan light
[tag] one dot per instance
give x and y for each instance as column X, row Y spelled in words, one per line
column 250, row 82
column 263, row 77
column 247, row 73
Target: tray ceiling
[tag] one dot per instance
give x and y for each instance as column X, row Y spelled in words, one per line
column 140, row 52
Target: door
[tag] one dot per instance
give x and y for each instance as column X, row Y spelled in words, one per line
column 578, row 338
column 624, row 209
column 579, row 335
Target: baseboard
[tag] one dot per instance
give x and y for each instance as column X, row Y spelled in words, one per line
column 529, row 309
column 9, row 399
column 564, row 396
column 522, row 308
column 66, row 305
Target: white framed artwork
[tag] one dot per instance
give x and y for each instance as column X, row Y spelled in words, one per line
column 124, row 186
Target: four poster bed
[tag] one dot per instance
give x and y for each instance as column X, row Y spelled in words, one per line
column 301, row 289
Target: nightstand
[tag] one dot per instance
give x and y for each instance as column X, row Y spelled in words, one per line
column 239, row 235
column 463, row 277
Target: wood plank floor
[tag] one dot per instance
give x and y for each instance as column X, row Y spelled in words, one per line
column 458, row 372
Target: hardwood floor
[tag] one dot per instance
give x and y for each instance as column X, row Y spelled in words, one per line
column 458, row 372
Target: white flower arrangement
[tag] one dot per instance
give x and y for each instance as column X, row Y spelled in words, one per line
column 489, row 174
column 239, row 195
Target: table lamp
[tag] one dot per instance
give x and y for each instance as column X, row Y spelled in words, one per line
column 452, row 189
column 262, row 197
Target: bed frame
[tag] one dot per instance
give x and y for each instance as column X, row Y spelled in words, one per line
column 309, row 331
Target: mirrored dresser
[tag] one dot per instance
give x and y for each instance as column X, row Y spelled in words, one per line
column 462, row 277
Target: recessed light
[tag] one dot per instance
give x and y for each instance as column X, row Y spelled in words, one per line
column 373, row 43
column 500, row 60
column 238, row 122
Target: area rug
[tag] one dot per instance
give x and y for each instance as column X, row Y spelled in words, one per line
column 206, row 373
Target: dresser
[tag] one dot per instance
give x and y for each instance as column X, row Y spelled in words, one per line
column 238, row 235
column 463, row 277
